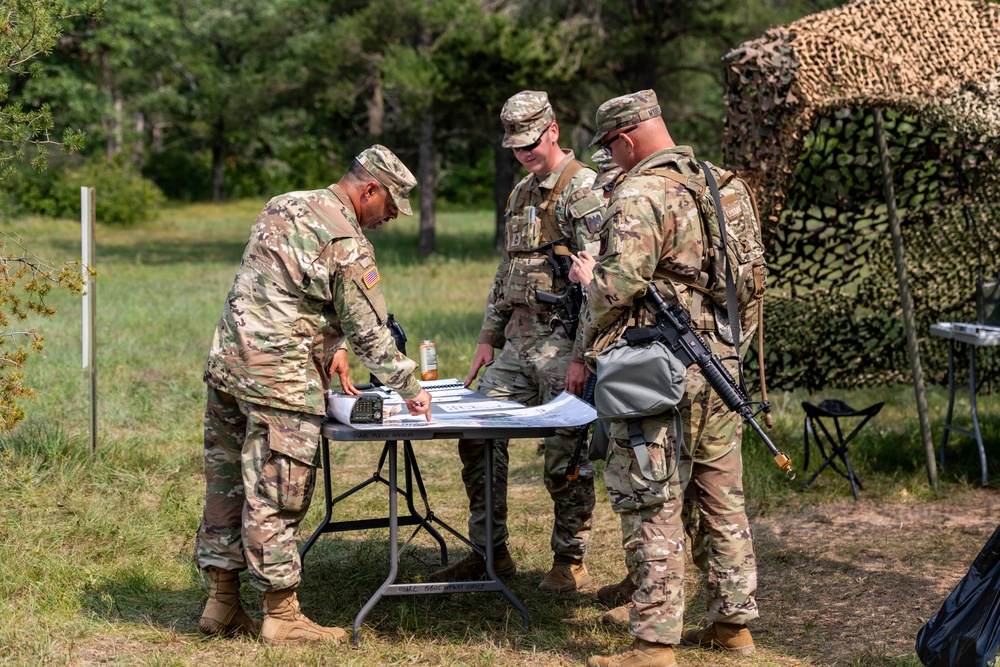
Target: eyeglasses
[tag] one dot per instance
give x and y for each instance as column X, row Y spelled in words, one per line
column 534, row 145
column 606, row 145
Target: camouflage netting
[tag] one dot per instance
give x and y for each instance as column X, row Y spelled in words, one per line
column 800, row 129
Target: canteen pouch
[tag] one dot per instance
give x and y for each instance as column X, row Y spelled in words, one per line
column 636, row 382
column 639, row 381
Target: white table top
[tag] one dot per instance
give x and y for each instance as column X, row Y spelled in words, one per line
column 972, row 334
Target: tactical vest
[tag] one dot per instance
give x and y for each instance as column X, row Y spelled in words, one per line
column 526, row 229
column 706, row 300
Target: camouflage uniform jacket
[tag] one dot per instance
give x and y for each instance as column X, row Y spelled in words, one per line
column 307, row 279
column 652, row 230
column 578, row 213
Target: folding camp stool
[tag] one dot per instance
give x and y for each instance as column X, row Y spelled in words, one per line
column 834, row 410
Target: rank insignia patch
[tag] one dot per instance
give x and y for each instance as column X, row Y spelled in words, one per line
column 371, row 277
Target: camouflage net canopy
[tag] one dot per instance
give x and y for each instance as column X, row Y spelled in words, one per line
column 800, row 129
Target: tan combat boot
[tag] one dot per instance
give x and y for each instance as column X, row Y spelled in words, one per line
column 473, row 566
column 566, row 576
column 642, row 654
column 284, row 622
column 224, row 615
column 619, row 616
column 721, row 636
column 617, row 594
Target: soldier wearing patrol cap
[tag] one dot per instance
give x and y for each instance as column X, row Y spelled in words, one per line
column 307, row 279
column 608, row 174
column 653, row 232
column 538, row 358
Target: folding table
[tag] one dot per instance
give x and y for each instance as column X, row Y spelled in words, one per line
column 391, row 435
column 974, row 336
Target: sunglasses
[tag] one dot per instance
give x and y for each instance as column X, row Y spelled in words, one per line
column 534, row 145
column 606, row 145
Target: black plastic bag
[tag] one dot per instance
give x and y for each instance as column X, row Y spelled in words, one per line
column 966, row 630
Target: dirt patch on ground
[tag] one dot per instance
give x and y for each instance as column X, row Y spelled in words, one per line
column 850, row 580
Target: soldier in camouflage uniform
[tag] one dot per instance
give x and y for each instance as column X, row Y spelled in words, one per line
column 307, row 280
column 653, row 232
column 538, row 358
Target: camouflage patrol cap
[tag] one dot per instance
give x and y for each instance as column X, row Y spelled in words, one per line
column 525, row 116
column 390, row 171
column 623, row 111
column 607, row 170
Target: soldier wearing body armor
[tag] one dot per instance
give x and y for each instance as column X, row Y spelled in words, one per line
column 551, row 214
column 655, row 231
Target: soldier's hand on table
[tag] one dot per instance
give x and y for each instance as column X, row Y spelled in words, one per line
column 420, row 405
column 582, row 270
column 484, row 355
column 576, row 377
column 342, row 370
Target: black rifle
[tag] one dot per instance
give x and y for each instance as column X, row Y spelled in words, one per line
column 573, row 469
column 396, row 329
column 673, row 328
column 568, row 302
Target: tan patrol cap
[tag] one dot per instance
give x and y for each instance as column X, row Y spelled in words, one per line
column 525, row 116
column 623, row 111
column 390, row 171
column 607, row 170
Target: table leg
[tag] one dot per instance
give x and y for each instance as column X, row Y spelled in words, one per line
column 393, row 545
column 489, row 539
column 413, row 475
column 325, row 448
column 951, row 397
column 975, row 415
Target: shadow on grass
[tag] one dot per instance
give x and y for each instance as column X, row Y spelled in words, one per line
column 399, row 247
column 839, row 599
column 392, row 248
column 163, row 252
column 340, row 575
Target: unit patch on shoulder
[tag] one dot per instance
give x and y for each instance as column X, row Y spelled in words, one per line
column 370, row 278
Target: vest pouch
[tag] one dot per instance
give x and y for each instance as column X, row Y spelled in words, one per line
column 524, row 231
column 526, row 275
column 639, row 381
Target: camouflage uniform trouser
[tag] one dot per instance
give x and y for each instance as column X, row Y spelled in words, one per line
column 652, row 518
column 255, row 495
column 530, row 370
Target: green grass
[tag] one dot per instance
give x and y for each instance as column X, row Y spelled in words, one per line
column 95, row 551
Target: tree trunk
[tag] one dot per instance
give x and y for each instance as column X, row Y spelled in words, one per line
column 426, row 239
column 218, row 162
column 909, row 323
column 138, row 152
column 110, row 122
column 503, row 161
column 376, row 111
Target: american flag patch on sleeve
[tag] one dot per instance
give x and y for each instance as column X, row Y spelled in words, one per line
column 370, row 278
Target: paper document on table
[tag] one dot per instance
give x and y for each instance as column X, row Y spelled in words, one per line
column 564, row 411
column 481, row 406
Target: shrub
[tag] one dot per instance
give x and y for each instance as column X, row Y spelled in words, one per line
column 124, row 197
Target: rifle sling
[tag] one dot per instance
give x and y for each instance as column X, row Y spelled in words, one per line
column 733, row 315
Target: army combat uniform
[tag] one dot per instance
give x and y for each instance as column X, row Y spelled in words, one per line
column 536, row 351
column 653, row 232
column 307, row 280
column 535, row 348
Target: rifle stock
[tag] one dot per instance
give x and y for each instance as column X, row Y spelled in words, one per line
column 573, row 469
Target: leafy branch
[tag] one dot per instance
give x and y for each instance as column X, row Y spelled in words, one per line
column 25, row 281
